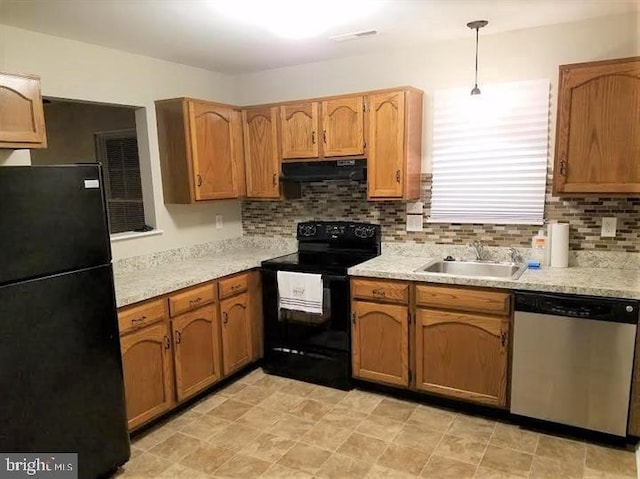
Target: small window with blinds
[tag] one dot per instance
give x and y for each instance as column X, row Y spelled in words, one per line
column 118, row 153
column 490, row 154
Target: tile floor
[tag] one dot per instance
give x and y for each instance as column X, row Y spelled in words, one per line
column 269, row 427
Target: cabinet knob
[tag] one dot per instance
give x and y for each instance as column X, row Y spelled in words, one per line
column 178, row 337
column 313, row 137
column 353, row 318
column 397, row 176
column 167, row 342
column 503, row 339
column 324, row 136
column 226, row 318
column 275, row 179
column 199, row 180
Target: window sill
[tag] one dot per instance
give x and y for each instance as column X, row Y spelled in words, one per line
column 133, row 234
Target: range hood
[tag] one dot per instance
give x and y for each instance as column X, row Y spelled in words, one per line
column 324, row 170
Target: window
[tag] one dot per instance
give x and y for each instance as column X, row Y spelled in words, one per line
column 490, row 154
column 118, row 153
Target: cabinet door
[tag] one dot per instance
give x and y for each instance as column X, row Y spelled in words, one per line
column 197, row 350
column 385, row 157
column 462, row 355
column 261, row 152
column 236, row 333
column 299, row 126
column 148, row 378
column 212, row 150
column 21, row 113
column 343, row 126
column 598, row 131
column 380, row 335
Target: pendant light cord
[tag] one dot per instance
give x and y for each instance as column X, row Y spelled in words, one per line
column 477, row 30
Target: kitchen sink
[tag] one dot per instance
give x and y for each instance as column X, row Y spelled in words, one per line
column 480, row 269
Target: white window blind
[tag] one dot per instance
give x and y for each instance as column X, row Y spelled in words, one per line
column 490, row 154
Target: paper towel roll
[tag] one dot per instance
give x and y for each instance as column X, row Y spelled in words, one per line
column 560, row 245
column 547, row 250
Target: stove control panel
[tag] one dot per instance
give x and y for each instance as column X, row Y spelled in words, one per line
column 338, row 231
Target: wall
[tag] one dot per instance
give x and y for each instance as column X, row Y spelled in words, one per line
column 518, row 55
column 71, row 127
column 80, row 71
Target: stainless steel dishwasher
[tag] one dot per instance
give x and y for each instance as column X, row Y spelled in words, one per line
column 573, row 360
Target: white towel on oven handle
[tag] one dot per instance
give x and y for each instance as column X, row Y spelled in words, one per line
column 300, row 291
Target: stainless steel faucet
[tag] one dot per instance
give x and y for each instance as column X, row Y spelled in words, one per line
column 516, row 257
column 478, row 247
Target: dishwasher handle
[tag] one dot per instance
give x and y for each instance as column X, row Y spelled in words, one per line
column 575, row 306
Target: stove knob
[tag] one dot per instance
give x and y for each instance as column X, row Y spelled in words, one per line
column 629, row 309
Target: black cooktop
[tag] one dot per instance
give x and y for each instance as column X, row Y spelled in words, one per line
column 330, row 247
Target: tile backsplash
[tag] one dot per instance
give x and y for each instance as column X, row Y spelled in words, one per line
column 346, row 200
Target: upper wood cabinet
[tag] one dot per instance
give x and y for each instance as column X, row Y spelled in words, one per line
column 598, row 128
column 462, row 355
column 197, row 350
column 394, row 149
column 262, row 159
column 299, row 129
column 236, row 332
column 21, row 113
column 201, row 150
column 380, row 342
column 148, row 376
column 343, row 126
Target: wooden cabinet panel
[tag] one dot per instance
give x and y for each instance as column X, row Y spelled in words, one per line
column 197, row 350
column 343, row 126
column 148, row 378
column 212, row 137
column 201, row 150
column 299, row 127
column 21, row 112
column 141, row 316
column 255, row 312
column 463, row 299
column 192, row 299
column 598, row 128
column 233, row 285
column 462, row 355
column 380, row 290
column 236, row 333
column 262, row 160
column 380, row 336
column 385, row 167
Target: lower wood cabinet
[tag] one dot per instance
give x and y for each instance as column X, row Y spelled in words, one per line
column 197, row 350
column 236, row 333
column 462, row 355
column 380, row 342
column 148, row 373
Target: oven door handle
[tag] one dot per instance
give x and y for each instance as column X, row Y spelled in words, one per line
column 335, row 277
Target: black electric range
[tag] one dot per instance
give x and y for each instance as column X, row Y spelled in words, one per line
column 316, row 347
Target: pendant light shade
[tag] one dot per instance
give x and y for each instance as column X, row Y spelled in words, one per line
column 476, row 25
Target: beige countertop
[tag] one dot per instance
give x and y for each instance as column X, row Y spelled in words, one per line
column 606, row 282
column 134, row 286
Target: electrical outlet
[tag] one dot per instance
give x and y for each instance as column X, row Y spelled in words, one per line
column 608, row 227
column 219, row 222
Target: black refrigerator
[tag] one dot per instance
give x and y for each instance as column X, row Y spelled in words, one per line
column 61, row 385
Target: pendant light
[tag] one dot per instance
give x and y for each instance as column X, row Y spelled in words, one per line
column 476, row 25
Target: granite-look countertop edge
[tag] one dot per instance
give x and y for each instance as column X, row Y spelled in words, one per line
column 135, row 286
column 612, row 283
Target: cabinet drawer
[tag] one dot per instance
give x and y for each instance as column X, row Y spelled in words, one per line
column 191, row 299
column 137, row 317
column 229, row 287
column 463, row 299
column 390, row 291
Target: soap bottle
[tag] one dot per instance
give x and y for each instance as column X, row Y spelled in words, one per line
column 539, row 246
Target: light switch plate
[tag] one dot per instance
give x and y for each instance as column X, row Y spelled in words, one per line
column 415, row 208
column 219, row 222
column 608, row 227
column 414, row 223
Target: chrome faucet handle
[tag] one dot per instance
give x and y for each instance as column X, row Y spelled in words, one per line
column 516, row 257
column 479, row 249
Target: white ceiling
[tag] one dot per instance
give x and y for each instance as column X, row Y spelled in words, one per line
column 193, row 33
